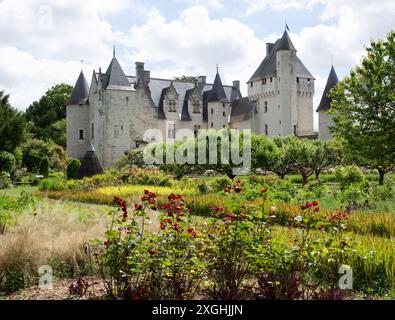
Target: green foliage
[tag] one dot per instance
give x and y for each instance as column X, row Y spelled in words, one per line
column 53, row 184
column 33, row 151
column 72, row 169
column 12, row 125
column 346, row 176
column 363, row 108
column 47, row 115
column 148, row 177
column 44, row 167
column 7, row 162
column 219, row 184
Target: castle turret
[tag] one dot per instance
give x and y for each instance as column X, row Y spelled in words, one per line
column 283, row 89
column 325, row 120
column 218, row 109
column 78, row 119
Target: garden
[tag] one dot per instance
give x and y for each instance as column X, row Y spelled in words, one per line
column 312, row 220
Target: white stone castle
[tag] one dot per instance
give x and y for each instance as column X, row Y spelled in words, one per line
column 114, row 113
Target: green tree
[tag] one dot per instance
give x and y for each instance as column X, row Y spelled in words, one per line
column 12, row 125
column 47, row 113
column 7, row 162
column 44, row 167
column 363, row 108
column 72, row 169
column 32, row 153
column 265, row 153
column 282, row 162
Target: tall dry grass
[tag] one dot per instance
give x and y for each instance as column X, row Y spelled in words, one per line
column 53, row 234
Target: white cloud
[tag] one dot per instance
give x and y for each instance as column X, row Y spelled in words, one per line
column 211, row 4
column 194, row 43
column 42, row 43
column 254, row 6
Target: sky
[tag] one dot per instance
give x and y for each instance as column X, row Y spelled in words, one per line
column 42, row 43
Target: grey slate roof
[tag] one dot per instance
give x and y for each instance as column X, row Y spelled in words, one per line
column 242, row 109
column 80, row 92
column 114, row 76
column 217, row 91
column 333, row 80
column 268, row 67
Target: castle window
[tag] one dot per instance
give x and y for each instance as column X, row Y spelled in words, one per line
column 171, row 131
column 127, row 101
column 279, row 106
column 212, row 111
column 116, row 132
column 280, row 122
column 252, row 84
column 212, row 125
column 271, row 79
column 264, row 81
column 266, row 129
column 266, row 106
column 93, row 130
column 224, row 105
column 196, row 106
column 295, row 130
column 279, row 79
column 224, row 113
column 308, row 81
column 172, row 105
column 297, row 80
column 81, row 134
column 224, row 126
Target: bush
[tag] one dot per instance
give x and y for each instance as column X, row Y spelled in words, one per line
column 53, row 184
column 5, row 181
column 72, row 169
column 346, row 176
column 44, row 167
column 202, row 187
column 219, row 184
column 149, row 177
column 7, row 161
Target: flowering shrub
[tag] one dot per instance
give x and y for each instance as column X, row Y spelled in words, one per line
column 148, row 177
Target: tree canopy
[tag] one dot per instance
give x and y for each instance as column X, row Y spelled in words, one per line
column 363, row 108
column 12, row 125
column 47, row 115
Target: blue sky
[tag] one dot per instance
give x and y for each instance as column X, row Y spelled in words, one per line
column 43, row 42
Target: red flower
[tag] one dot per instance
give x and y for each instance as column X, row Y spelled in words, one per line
column 192, row 232
column 138, row 207
column 105, row 243
column 317, row 209
column 315, row 204
column 238, row 189
column 152, row 252
column 170, row 214
column 162, row 226
column 227, row 190
column 264, row 191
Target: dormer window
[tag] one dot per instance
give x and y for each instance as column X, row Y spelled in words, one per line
column 172, row 105
column 196, row 105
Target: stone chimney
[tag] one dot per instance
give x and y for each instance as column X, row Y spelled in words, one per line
column 269, row 47
column 202, row 79
column 147, row 76
column 139, row 72
column 236, row 84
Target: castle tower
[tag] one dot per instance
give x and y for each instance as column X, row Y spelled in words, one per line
column 78, row 137
column 325, row 120
column 284, row 90
column 218, row 105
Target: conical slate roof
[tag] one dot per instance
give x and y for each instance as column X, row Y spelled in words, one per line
column 114, row 76
column 285, row 43
column 217, row 92
column 80, row 92
column 268, row 67
column 90, row 165
column 333, row 80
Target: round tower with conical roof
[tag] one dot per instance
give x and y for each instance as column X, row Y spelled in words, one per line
column 78, row 135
